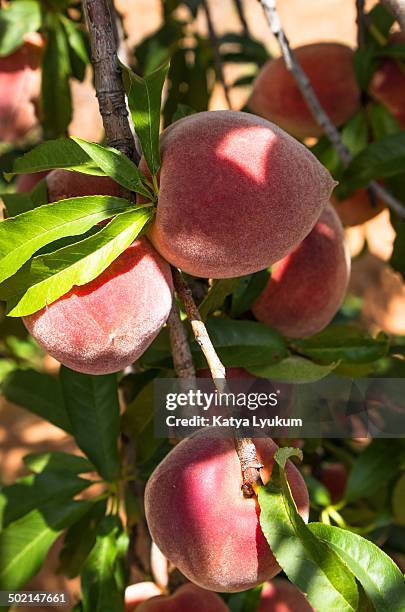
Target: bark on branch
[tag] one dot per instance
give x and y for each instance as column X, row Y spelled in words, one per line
column 310, row 97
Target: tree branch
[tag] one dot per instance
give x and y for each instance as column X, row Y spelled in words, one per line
column 242, row 18
column 310, row 97
column 182, row 358
column 216, row 52
column 107, row 73
column 360, row 23
column 245, row 448
column 397, row 9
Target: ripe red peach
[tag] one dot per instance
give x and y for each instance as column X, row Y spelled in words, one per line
column 236, row 194
column 334, row 477
column 20, row 83
column 388, row 83
column 357, row 208
column 187, row 598
column 105, row 325
column 200, row 520
column 279, row 595
column 27, row 182
column 307, row 287
column 329, row 67
column 63, row 184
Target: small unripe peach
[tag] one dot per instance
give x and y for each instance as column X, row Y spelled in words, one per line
column 236, row 194
column 198, row 517
column 279, row 595
column 330, row 69
column 307, row 287
column 20, row 82
column 105, row 325
column 188, row 598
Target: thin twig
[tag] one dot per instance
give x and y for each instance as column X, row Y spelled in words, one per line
column 361, row 30
column 245, row 447
column 216, row 52
column 242, row 18
column 397, row 8
column 310, row 97
column 107, row 73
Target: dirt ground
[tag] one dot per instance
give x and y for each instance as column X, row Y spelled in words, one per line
column 382, row 289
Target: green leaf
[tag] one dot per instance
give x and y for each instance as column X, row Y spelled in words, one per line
column 56, row 99
column 342, row 343
column 294, row 368
column 318, row 493
column 116, row 165
column 34, row 491
column 242, row 343
column 80, row 539
column 92, row 405
column 183, row 110
column 144, row 100
column 308, row 562
column 47, row 277
column 376, row 465
column 59, row 461
column 355, row 133
column 59, row 153
column 383, row 123
column 100, row 590
column 16, row 203
column 378, row 575
column 248, row 290
column 215, row 297
column 22, row 236
column 24, row 544
column 38, row 393
column 16, row 20
column 78, row 51
column 383, row 158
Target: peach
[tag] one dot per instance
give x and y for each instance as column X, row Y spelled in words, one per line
column 282, row 596
column 27, row 182
column 334, row 477
column 105, row 325
column 20, row 84
column 357, row 208
column 135, row 594
column 200, row 520
column 187, row 598
column 236, row 194
column 388, row 83
column 307, row 287
column 63, row 184
column 329, row 67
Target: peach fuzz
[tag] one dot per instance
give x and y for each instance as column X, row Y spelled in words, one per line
column 357, row 208
column 236, row 194
column 20, row 83
column 188, row 598
column 329, row 67
column 201, row 522
column 282, row 596
column 388, row 83
column 307, row 287
column 135, row 594
column 105, row 325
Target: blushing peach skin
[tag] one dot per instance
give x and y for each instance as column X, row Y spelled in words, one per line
column 201, row 522
column 27, row 182
column 307, row 287
column 279, row 595
column 63, row 184
column 236, row 194
column 329, row 67
column 20, row 83
column 188, row 598
column 388, row 83
column 105, row 325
